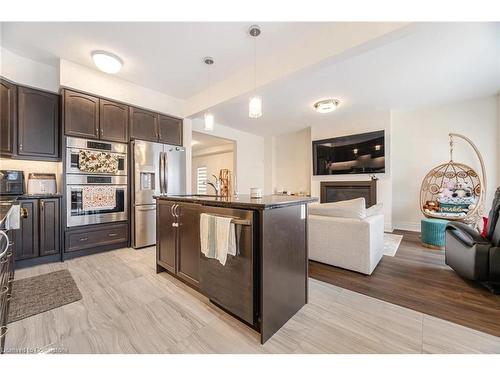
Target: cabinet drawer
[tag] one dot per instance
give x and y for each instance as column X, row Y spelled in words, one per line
column 91, row 237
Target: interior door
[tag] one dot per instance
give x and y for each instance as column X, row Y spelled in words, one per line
column 166, row 238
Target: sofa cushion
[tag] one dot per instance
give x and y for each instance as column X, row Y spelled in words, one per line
column 353, row 208
column 376, row 209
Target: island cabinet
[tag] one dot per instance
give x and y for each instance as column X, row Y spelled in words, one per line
column 265, row 282
column 178, row 242
column 8, row 122
column 88, row 116
column 39, row 237
column 38, row 124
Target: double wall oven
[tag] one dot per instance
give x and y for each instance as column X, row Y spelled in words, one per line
column 96, row 182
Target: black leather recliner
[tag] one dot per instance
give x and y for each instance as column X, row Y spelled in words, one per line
column 473, row 256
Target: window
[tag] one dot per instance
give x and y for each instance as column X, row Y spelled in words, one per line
column 201, row 180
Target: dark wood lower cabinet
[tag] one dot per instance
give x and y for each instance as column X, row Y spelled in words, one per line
column 188, row 234
column 95, row 236
column 39, row 236
column 26, row 238
column 179, row 248
column 49, row 227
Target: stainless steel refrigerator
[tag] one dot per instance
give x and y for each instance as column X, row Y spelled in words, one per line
column 157, row 169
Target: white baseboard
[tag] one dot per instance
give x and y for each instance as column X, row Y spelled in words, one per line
column 388, row 227
column 407, row 225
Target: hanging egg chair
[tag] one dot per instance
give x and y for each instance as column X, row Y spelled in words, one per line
column 454, row 191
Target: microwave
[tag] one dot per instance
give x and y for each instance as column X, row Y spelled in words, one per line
column 107, row 157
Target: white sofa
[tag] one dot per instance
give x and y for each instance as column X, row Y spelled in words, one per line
column 346, row 234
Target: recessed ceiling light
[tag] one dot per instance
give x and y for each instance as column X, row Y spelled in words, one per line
column 325, row 106
column 107, row 62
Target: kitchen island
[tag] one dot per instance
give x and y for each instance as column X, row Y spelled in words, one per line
column 266, row 282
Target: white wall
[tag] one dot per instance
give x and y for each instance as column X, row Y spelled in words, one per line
column 29, row 72
column 90, row 80
column 249, row 154
column 353, row 124
column 420, row 142
column 31, row 166
column 292, row 162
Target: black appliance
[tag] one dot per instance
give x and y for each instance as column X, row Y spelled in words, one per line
column 11, row 182
column 352, row 154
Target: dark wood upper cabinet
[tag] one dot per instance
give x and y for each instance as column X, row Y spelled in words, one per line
column 113, row 121
column 26, row 238
column 188, row 258
column 81, row 115
column 49, row 227
column 38, row 124
column 143, row 124
column 170, row 130
column 8, row 111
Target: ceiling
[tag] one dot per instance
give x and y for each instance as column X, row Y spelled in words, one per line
column 202, row 140
column 163, row 56
column 434, row 64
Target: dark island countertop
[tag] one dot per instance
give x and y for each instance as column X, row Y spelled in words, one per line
column 242, row 201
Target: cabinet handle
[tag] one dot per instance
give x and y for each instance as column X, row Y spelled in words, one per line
column 175, row 225
column 102, row 132
column 83, row 239
column 97, row 131
column 20, row 146
column 112, row 234
column 42, row 204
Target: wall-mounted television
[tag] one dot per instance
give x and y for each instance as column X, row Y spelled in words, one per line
column 352, row 154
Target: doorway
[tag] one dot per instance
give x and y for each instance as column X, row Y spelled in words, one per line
column 212, row 157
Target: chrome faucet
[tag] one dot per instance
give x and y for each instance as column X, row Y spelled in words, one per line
column 215, row 185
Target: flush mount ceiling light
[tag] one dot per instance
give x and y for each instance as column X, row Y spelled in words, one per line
column 107, row 62
column 325, row 106
column 255, row 103
column 209, row 118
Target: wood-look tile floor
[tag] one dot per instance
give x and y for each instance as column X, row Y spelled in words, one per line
column 128, row 308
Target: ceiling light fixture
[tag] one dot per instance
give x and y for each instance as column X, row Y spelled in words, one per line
column 209, row 117
column 325, row 106
column 107, row 62
column 255, row 103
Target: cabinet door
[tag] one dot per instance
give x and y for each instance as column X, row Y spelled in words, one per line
column 166, row 236
column 143, row 125
column 113, row 121
column 49, row 227
column 188, row 256
column 81, row 115
column 26, row 240
column 170, row 130
column 8, row 110
column 38, row 129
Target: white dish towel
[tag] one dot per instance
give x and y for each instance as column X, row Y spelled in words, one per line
column 217, row 237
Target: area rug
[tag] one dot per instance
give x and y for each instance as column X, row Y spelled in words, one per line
column 37, row 294
column 391, row 243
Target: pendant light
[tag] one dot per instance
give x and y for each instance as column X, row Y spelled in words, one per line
column 209, row 117
column 255, row 103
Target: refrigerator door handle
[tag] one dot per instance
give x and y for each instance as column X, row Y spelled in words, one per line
column 161, row 172
column 165, row 172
